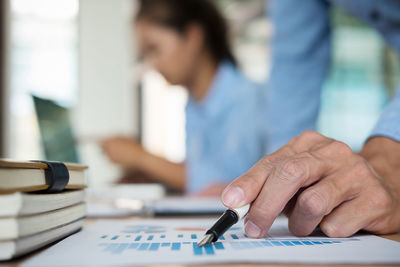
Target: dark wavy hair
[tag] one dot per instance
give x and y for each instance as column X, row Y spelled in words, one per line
column 178, row 14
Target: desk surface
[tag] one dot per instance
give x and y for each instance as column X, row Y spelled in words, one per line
column 88, row 222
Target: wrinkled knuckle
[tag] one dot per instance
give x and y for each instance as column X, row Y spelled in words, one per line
column 258, row 212
column 342, row 148
column 245, row 180
column 291, row 170
column 312, row 204
column 330, row 229
column 382, row 200
column 266, row 161
column 361, row 169
column 309, row 134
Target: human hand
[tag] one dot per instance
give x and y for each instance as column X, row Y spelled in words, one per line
column 317, row 181
column 123, row 151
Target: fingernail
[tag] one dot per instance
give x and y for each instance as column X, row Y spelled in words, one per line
column 233, row 196
column 252, row 230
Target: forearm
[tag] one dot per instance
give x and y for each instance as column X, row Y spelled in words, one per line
column 384, row 155
column 163, row 170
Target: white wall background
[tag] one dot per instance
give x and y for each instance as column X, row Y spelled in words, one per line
column 107, row 82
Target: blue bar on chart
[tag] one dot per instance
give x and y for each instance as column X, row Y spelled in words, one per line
column 120, row 248
column 162, row 236
column 194, row 236
column 209, row 249
column 287, row 243
column 266, row 243
column 234, row 236
column 197, row 251
column 115, row 237
column 133, row 246
column 180, row 235
column 276, row 243
column 218, row 245
column 154, row 246
column 138, row 238
column 176, row 246
column 104, row 236
column 150, row 237
column 166, row 244
column 143, row 246
column 111, row 247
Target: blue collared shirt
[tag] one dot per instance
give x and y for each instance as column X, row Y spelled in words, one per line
column 223, row 136
column 301, row 59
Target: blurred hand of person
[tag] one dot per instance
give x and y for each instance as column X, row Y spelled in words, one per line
column 124, row 151
column 318, row 181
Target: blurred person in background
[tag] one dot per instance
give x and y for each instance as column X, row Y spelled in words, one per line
column 315, row 180
column 187, row 42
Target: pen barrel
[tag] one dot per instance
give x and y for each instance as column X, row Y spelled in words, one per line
column 227, row 219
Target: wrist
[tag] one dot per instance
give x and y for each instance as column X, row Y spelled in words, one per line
column 383, row 154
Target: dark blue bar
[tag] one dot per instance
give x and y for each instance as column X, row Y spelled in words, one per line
column 266, row 243
column 218, row 245
column 209, row 249
column 150, row 237
column 246, row 236
column 104, row 236
column 276, row 243
column 196, row 250
column 297, row 243
column 133, row 245
column 176, row 246
column 143, row 246
column 317, row 242
column 194, row 236
column 287, row 243
column 166, row 244
column 327, row 242
column 307, row 242
column 234, row 236
column 154, row 246
column 162, row 236
column 120, row 248
column 138, row 238
column 115, row 237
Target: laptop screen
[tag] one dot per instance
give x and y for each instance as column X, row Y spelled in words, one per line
column 56, row 131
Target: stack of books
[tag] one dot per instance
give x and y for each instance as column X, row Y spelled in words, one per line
column 40, row 203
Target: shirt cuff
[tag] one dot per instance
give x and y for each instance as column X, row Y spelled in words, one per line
column 388, row 124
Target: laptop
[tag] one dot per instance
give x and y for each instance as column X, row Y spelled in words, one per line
column 56, row 132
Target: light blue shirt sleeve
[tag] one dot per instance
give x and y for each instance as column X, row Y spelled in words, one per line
column 388, row 124
column 300, row 61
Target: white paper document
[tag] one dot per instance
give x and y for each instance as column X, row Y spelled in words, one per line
column 110, row 243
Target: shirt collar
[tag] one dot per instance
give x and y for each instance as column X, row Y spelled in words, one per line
column 220, row 89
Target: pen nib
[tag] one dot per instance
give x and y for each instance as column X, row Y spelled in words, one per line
column 206, row 240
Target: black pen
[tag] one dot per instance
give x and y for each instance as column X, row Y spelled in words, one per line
column 227, row 219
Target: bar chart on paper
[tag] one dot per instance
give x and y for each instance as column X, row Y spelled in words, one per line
column 234, row 239
column 175, row 241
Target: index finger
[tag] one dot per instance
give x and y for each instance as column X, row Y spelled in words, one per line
column 287, row 177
